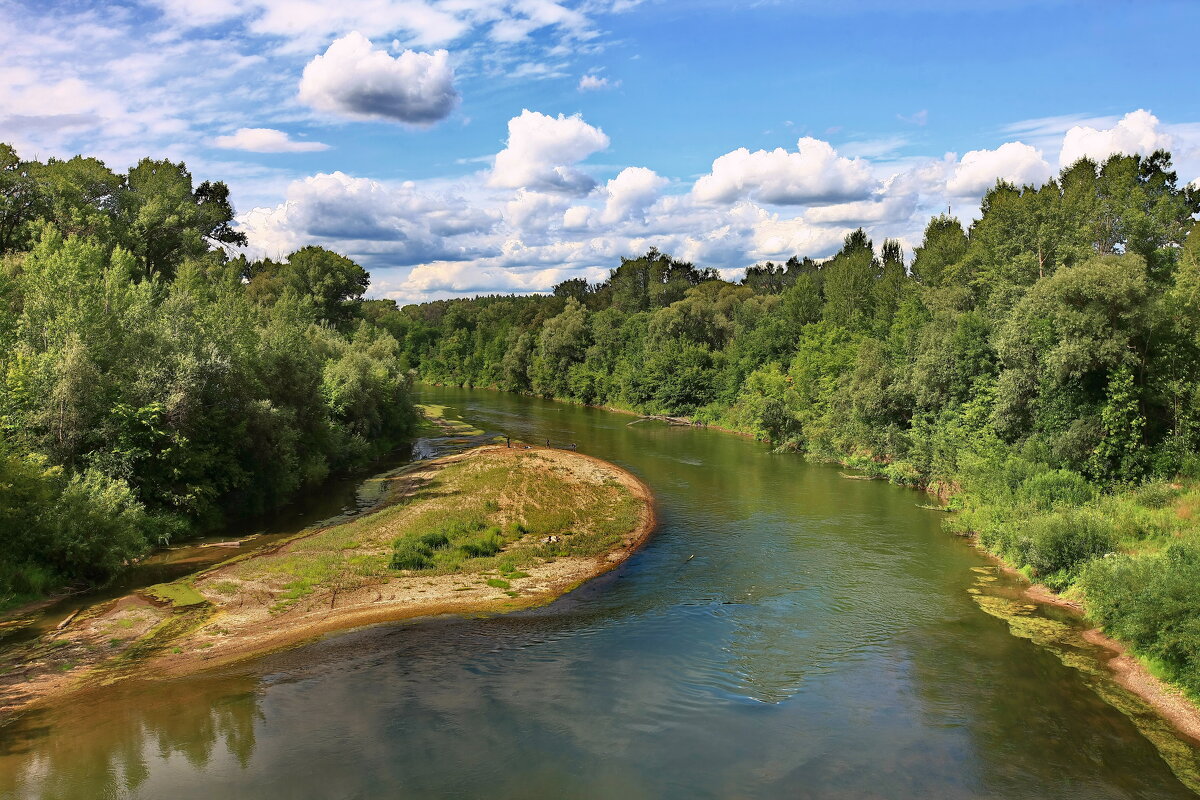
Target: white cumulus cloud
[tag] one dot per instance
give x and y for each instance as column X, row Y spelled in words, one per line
column 354, row 79
column 407, row 222
column 266, row 140
column 1137, row 133
column 1015, row 162
column 535, row 219
column 813, row 174
column 542, row 152
column 630, row 193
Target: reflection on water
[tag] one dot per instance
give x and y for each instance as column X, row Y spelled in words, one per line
column 786, row 633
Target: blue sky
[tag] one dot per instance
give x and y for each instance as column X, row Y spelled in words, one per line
column 464, row 146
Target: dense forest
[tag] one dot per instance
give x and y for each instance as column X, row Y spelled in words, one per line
column 151, row 385
column 1040, row 368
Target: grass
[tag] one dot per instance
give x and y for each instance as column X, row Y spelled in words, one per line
column 498, row 583
column 478, row 515
column 1131, row 556
column 179, row 594
column 434, row 422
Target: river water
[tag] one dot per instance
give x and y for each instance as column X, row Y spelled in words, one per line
column 785, row 633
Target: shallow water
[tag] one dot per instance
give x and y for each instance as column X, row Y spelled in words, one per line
column 785, row 633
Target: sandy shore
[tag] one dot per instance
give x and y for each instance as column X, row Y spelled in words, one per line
column 1131, row 674
column 241, row 609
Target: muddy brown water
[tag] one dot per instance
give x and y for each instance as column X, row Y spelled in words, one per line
column 785, row 633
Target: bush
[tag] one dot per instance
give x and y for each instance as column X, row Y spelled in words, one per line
column 1155, row 495
column 408, row 553
column 1056, row 544
column 1152, row 602
column 487, row 544
column 96, row 527
column 21, row 581
column 435, row 540
column 904, row 473
column 1055, row 489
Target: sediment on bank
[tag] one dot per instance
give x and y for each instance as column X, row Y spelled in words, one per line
column 490, row 530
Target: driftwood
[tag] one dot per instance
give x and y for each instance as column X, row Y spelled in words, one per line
column 664, row 418
column 67, row 621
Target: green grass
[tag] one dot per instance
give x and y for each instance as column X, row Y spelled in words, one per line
column 474, row 516
column 433, row 422
column 179, row 594
column 1131, row 556
column 497, row 583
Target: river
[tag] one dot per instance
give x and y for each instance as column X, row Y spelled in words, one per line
column 785, row 633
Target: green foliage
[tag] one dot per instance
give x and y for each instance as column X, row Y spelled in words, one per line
column 486, row 544
column 1057, row 488
column 409, row 553
column 435, row 540
column 944, row 246
column 1153, row 602
column 1055, row 544
column 1041, row 363
column 146, row 391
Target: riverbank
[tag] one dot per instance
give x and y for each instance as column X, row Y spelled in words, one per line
column 1129, row 671
column 491, row 530
column 1124, row 666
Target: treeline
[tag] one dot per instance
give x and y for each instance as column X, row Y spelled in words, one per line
column 1037, row 365
column 152, row 386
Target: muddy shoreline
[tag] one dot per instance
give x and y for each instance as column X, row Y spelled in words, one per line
column 1126, row 669
column 142, row 636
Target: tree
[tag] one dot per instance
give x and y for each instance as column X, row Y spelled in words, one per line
column 332, row 283
column 165, row 221
column 573, row 287
column 562, row 343
column 942, row 248
column 20, row 199
column 850, row 281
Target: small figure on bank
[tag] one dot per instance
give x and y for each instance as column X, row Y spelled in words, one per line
column 507, row 441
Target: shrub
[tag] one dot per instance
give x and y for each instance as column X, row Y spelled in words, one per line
column 1056, row 544
column 1152, row 602
column 435, row 540
column 487, row 544
column 904, row 473
column 1155, row 495
column 410, row 553
column 1056, row 489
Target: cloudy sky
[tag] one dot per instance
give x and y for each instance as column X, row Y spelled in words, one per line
column 471, row 146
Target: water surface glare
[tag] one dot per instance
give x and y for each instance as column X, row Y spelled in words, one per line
column 786, row 633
